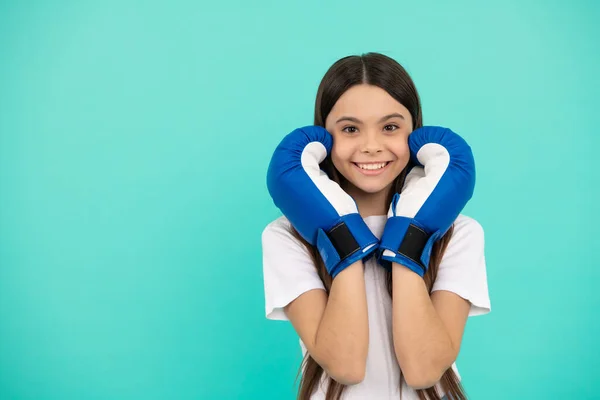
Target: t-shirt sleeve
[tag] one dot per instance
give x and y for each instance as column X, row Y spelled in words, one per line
column 288, row 269
column 462, row 269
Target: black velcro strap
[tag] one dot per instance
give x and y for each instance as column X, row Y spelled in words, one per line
column 413, row 244
column 342, row 240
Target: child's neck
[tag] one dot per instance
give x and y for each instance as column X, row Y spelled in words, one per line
column 370, row 204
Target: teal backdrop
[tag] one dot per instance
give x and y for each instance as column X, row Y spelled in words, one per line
column 134, row 142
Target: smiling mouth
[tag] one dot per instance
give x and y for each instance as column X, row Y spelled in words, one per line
column 372, row 166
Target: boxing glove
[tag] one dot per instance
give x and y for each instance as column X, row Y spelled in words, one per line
column 434, row 193
column 318, row 208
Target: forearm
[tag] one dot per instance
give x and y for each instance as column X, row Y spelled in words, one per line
column 343, row 335
column 423, row 346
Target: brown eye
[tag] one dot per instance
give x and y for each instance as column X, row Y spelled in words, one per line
column 396, row 126
column 349, row 127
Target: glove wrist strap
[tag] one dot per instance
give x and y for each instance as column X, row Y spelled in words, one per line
column 406, row 243
column 413, row 243
column 348, row 241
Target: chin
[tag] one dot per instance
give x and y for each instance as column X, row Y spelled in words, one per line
column 371, row 188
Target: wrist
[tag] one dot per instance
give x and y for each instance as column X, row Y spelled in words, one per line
column 401, row 270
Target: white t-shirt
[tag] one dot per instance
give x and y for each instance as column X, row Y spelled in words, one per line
column 289, row 271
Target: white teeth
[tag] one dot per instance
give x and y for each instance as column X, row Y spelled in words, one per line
column 371, row 166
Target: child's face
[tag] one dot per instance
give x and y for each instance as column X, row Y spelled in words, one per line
column 380, row 146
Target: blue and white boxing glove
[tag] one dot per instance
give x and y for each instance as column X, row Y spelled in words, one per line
column 434, row 193
column 318, row 208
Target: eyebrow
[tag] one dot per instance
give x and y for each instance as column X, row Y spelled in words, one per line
column 358, row 121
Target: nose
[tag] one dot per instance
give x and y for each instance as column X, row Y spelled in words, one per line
column 371, row 143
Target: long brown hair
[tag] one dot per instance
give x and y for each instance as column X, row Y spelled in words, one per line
column 384, row 72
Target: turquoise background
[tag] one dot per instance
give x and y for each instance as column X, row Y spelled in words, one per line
column 134, row 142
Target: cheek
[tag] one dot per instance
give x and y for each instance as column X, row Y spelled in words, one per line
column 400, row 150
column 340, row 153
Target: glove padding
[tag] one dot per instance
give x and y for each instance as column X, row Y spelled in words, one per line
column 318, row 208
column 434, row 193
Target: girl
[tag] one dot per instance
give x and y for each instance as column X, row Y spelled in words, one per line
column 368, row 331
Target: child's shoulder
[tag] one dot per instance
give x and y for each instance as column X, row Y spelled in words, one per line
column 280, row 224
column 466, row 229
column 464, row 222
column 278, row 230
